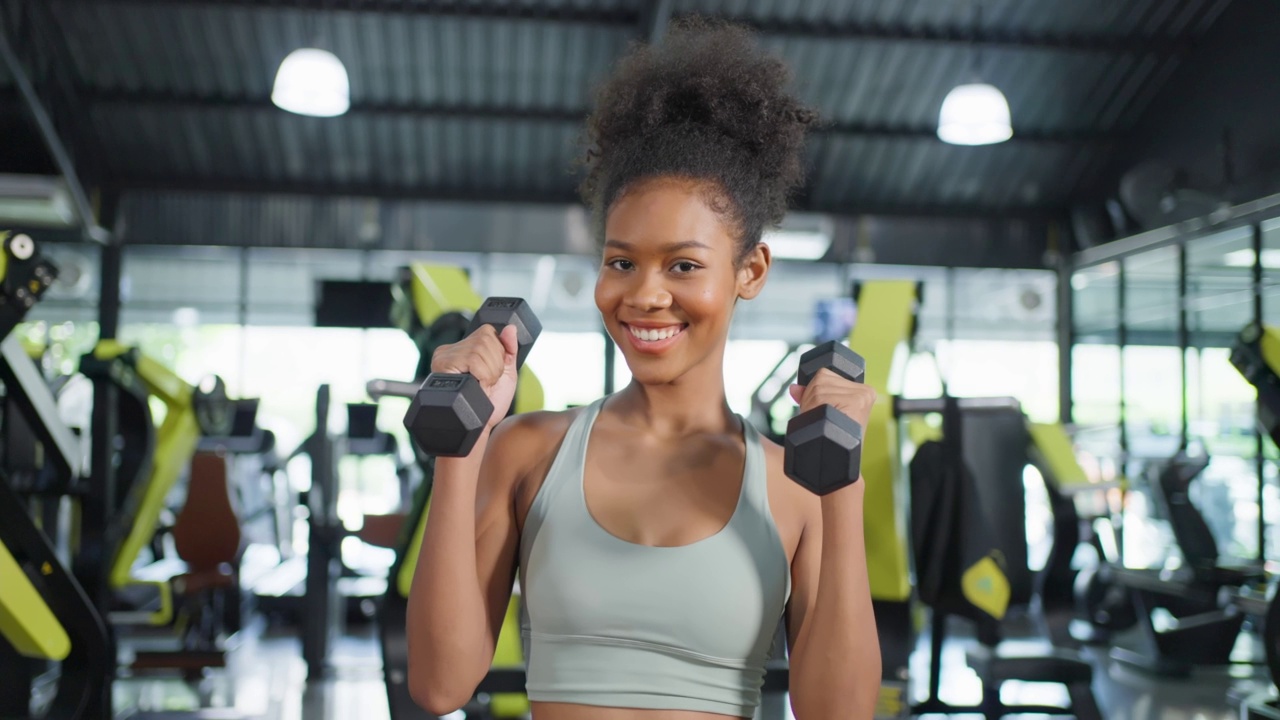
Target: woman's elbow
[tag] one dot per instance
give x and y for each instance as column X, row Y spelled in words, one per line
column 439, row 688
column 434, row 696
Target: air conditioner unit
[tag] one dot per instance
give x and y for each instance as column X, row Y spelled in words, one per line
column 35, row 201
column 802, row 236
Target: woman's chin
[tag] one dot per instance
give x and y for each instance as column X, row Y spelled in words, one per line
column 653, row 376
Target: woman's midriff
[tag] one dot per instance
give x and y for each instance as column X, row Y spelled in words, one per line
column 569, row 711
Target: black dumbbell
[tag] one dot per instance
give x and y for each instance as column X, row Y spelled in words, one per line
column 823, row 446
column 449, row 411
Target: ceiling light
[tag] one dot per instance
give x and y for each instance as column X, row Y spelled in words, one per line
column 312, row 82
column 35, row 200
column 1244, row 258
column 974, row 114
column 798, row 244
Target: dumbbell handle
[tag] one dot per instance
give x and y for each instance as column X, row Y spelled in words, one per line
column 390, row 388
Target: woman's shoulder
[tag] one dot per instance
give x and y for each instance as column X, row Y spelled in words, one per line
column 530, row 440
column 532, row 428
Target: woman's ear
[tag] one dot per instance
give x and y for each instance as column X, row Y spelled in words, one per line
column 753, row 271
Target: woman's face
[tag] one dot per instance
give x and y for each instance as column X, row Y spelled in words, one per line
column 669, row 278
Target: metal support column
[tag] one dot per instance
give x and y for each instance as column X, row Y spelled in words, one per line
column 1122, row 339
column 1183, row 338
column 1066, row 339
column 1258, row 459
column 610, row 359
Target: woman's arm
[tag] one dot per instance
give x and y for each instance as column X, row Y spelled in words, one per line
column 835, row 648
column 465, row 572
column 466, row 568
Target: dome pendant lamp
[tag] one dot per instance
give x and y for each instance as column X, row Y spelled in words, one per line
column 312, row 82
column 975, row 113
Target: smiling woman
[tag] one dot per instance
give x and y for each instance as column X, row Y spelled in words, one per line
column 658, row 541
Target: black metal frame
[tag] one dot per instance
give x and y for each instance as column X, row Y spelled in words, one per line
column 84, row 689
column 1083, row 704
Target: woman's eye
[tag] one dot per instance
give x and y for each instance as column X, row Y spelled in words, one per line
column 620, row 264
column 685, row 267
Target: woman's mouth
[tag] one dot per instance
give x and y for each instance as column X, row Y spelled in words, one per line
column 654, row 339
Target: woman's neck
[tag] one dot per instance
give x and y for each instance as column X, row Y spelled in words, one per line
column 694, row 403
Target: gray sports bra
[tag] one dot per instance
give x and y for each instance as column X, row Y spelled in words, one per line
column 608, row 622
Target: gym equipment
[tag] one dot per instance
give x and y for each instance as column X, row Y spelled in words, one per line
column 1256, row 355
column 320, row 591
column 449, row 411
column 200, row 599
column 823, row 447
column 1200, row 631
column 207, row 538
column 971, row 558
column 1085, row 605
column 1265, row 611
column 262, row 494
column 767, row 400
column 45, row 614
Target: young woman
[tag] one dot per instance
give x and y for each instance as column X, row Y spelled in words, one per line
column 657, row 540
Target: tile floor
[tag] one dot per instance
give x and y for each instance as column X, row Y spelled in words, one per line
column 266, row 679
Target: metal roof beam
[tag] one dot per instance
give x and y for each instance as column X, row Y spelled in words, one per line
column 57, row 148
column 492, row 9
column 257, row 186
column 177, row 102
column 988, row 38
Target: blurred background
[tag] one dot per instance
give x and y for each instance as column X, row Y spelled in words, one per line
column 1085, row 193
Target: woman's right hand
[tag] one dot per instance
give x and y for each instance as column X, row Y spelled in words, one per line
column 488, row 356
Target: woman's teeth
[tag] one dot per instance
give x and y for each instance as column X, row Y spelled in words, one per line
column 652, row 334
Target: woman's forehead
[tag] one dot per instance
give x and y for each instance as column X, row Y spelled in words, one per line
column 659, row 215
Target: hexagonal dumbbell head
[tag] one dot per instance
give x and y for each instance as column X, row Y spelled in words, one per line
column 834, row 356
column 503, row 311
column 447, row 414
column 823, row 450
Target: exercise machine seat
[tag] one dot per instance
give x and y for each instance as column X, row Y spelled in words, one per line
column 207, row 530
column 1049, row 666
column 382, row 530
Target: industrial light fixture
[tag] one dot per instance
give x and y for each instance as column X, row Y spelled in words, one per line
column 35, row 200
column 312, row 82
column 974, row 114
column 1245, row 258
column 797, row 244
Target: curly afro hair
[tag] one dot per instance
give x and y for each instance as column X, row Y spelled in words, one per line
column 707, row 105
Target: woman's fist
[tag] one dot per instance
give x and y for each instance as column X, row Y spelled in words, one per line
column 854, row 399
column 489, row 357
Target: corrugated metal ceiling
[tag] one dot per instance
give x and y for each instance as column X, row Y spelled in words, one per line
column 483, row 99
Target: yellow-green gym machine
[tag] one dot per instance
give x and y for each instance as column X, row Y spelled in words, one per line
column 45, row 614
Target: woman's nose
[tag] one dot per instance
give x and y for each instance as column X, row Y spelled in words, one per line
column 648, row 292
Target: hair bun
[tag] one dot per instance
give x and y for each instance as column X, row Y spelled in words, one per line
column 706, row 103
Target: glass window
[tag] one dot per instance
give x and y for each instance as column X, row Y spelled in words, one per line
column 1270, row 272
column 1095, row 367
column 1152, row 361
column 1221, row 409
column 185, row 286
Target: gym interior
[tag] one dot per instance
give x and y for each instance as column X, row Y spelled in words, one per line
column 235, row 232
